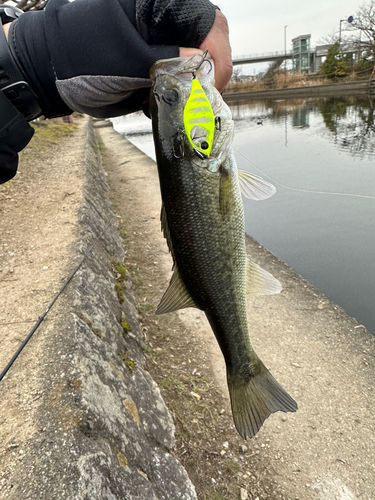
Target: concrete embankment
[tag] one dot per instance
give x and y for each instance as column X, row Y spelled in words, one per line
column 80, row 416
column 366, row 88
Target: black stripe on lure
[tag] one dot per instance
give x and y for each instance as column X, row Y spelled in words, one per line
column 199, row 120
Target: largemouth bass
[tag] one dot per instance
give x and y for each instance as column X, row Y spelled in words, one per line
column 203, row 222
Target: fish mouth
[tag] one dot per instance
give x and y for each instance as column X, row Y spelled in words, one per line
column 182, row 67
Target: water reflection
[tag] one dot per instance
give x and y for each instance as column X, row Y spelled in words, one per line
column 332, row 110
column 352, row 125
column 321, row 221
column 348, row 121
column 301, row 117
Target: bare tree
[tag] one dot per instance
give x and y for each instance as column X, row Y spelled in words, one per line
column 329, row 39
column 346, row 44
column 357, row 37
column 362, row 31
column 236, row 76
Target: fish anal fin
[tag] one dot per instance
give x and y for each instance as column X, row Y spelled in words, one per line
column 259, row 281
column 254, row 401
column 176, row 296
column 254, row 187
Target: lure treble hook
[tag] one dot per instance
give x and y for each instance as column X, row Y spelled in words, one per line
column 204, row 59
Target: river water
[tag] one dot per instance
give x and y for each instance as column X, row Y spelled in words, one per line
column 320, row 155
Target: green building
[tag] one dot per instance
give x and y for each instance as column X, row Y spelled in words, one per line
column 302, row 55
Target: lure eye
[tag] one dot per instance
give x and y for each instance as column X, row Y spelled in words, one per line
column 170, row 96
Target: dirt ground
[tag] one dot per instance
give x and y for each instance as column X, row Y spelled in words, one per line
column 38, row 211
column 324, row 358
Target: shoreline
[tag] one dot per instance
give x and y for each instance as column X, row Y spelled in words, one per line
column 328, row 90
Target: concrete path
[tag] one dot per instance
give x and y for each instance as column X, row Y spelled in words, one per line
column 323, row 357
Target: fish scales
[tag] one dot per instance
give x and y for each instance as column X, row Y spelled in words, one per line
column 203, row 222
column 200, row 256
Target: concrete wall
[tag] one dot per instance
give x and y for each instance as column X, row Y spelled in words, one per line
column 101, row 430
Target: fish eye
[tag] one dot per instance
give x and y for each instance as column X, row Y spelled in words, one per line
column 170, row 96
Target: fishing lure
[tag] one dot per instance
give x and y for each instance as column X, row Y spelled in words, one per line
column 199, row 120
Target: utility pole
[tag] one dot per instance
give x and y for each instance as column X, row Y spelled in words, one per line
column 285, row 27
column 349, row 20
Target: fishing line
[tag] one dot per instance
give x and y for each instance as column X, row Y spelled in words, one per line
column 17, row 322
column 42, row 317
column 300, row 190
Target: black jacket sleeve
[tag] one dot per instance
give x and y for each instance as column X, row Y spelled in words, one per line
column 95, row 56
column 15, row 134
column 89, row 55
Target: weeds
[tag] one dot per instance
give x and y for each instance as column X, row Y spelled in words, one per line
column 49, row 133
column 130, row 365
column 120, row 269
column 125, row 326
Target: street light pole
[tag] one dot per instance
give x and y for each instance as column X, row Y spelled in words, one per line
column 341, row 21
column 285, row 27
column 349, row 20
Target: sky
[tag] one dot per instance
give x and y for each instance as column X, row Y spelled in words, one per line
column 258, row 26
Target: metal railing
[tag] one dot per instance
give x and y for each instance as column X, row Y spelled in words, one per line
column 263, row 57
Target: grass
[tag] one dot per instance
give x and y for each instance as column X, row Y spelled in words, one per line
column 120, row 269
column 49, row 133
column 125, row 325
column 279, row 80
column 216, row 496
column 129, row 364
column 146, row 308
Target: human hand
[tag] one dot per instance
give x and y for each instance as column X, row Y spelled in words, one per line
column 218, row 46
column 6, row 29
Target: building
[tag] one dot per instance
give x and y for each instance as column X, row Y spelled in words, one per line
column 303, row 58
column 321, row 52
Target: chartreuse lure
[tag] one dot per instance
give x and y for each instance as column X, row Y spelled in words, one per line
column 199, row 120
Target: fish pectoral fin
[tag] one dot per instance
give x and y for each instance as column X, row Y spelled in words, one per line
column 176, row 296
column 254, row 187
column 259, row 281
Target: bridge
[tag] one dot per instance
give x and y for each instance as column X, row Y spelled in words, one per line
column 266, row 57
column 313, row 58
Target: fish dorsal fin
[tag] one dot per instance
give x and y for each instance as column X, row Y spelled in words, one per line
column 165, row 229
column 254, row 187
column 259, row 281
column 176, row 296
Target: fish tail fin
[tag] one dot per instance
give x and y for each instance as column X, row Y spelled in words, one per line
column 254, row 400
